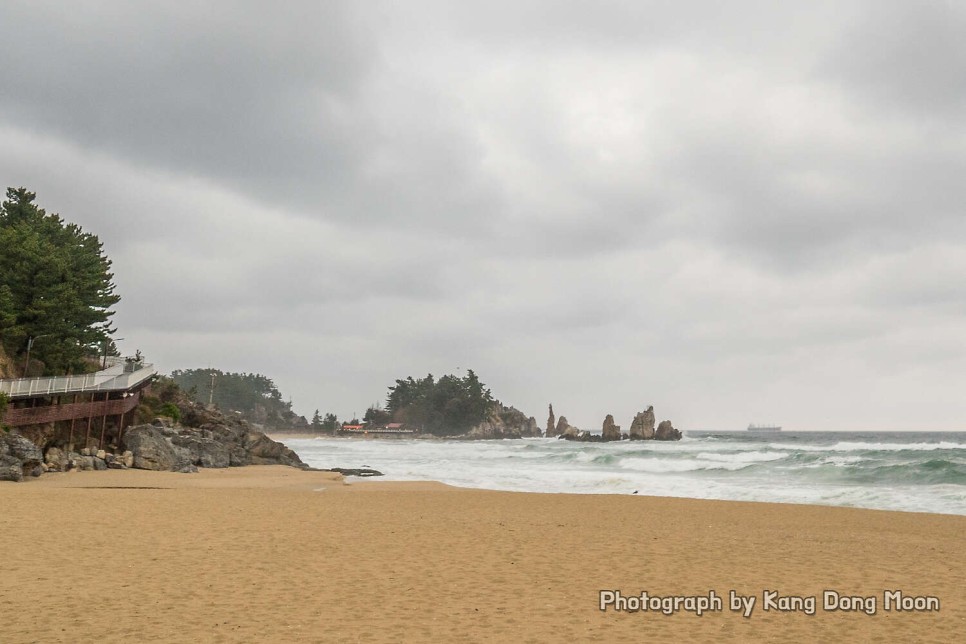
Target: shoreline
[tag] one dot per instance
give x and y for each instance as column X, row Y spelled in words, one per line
column 545, row 467
column 272, row 552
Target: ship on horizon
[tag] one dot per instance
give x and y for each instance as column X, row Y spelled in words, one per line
column 764, row 428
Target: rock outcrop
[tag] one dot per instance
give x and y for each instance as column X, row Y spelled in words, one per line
column 666, row 432
column 207, row 439
column 504, row 422
column 19, row 457
column 551, row 424
column 609, row 430
column 565, row 430
column 642, row 427
column 218, row 441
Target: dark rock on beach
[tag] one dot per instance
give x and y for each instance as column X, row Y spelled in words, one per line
column 19, row 457
column 355, row 472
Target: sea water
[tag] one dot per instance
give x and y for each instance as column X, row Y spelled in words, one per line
column 910, row 471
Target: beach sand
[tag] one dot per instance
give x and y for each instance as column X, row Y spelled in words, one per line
column 276, row 554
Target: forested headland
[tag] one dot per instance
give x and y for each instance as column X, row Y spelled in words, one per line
column 253, row 395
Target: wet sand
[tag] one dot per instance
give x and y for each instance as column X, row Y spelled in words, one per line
column 275, row 554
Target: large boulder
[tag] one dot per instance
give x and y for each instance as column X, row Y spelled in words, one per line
column 609, row 430
column 642, row 427
column 153, row 449
column 666, row 432
column 56, row 459
column 15, row 447
column 204, row 452
column 265, row 451
column 10, row 469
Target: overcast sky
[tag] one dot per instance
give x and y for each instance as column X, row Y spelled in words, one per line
column 735, row 212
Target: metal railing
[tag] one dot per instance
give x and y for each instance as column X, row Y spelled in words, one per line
column 113, row 378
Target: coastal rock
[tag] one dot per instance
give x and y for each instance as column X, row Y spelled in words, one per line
column 355, row 472
column 666, row 432
column 10, row 469
column 238, row 456
column 534, row 428
column 642, row 427
column 153, row 450
column 214, row 440
column 504, row 422
column 265, row 451
column 98, row 463
column 565, row 430
column 56, row 459
column 14, row 447
column 551, row 424
column 610, row 431
column 206, row 452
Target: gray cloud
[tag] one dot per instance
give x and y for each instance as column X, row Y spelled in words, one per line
column 724, row 210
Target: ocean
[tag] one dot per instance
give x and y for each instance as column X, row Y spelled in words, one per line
column 907, row 471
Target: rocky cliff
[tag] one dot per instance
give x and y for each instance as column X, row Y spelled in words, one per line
column 504, row 422
column 205, row 439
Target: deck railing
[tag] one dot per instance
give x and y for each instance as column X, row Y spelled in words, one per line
column 114, row 378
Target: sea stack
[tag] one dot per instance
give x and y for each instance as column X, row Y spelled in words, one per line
column 565, row 430
column 666, row 432
column 610, row 431
column 551, row 423
column 642, row 427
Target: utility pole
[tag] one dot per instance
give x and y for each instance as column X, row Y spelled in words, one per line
column 107, row 344
column 30, row 345
column 211, row 390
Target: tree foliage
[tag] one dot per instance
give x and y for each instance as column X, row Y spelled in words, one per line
column 330, row 422
column 327, row 424
column 242, row 392
column 449, row 406
column 55, row 285
column 376, row 415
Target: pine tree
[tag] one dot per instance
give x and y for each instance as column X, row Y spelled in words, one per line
column 55, row 284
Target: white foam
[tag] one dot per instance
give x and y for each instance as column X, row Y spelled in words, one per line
column 696, row 468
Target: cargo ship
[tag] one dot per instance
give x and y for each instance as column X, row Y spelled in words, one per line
column 764, row 429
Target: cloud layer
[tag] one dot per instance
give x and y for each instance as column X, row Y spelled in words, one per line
column 741, row 212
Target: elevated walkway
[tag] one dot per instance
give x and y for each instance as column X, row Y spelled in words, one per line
column 119, row 376
column 112, row 392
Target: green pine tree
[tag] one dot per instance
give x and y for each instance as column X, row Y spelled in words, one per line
column 56, row 285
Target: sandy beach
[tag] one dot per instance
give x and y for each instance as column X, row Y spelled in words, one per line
column 276, row 554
